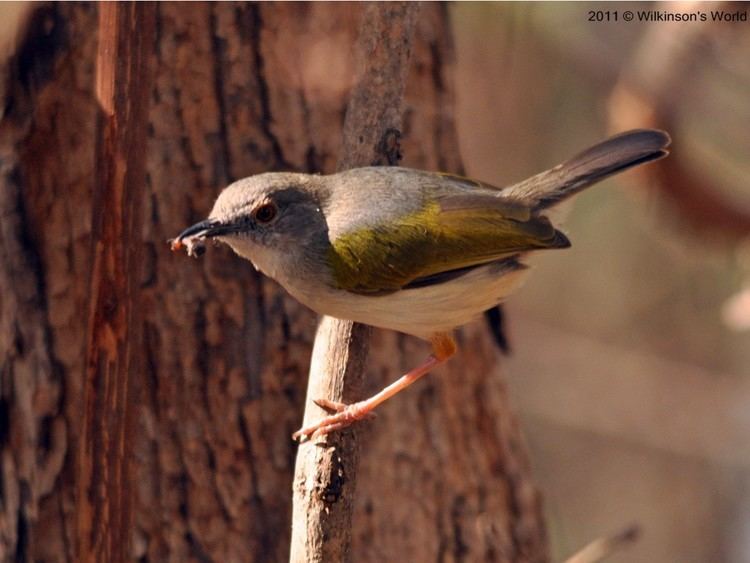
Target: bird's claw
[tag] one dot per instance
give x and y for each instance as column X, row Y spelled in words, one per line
column 341, row 415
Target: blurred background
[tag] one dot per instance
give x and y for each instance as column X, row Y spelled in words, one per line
column 631, row 350
column 630, row 363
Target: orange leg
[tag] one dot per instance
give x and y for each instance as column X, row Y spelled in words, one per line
column 443, row 347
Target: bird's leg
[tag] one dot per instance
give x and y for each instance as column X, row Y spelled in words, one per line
column 443, row 347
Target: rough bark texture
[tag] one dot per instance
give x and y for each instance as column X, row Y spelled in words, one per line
column 239, row 89
column 325, row 474
column 104, row 509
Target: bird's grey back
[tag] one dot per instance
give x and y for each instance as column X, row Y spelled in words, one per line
column 372, row 196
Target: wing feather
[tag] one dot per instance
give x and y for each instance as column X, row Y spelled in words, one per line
column 450, row 233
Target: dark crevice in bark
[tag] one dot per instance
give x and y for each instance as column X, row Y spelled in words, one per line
column 313, row 161
column 266, row 534
column 151, row 346
column 5, row 375
column 195, row 166
column 436, row 65
column 33, row 64
column 517, row 515
column 266, row 117
column 22, row 537
column 44, row 442
column 213, row 470
column 286, row 330
column 149, row 268
column 197, row 550
column 158, row 35
column 460, row 549
column 247, row 440
column 23, row 258
column 223, row 170
column 442, row 550
column 67, row 525
column 502, row 464
column 202, row 354
column 425, row 405
column 183, row 508
column 255, row 337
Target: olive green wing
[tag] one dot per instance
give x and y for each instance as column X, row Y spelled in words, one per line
column 447, row 234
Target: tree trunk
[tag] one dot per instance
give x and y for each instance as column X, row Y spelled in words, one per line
column 238, row 89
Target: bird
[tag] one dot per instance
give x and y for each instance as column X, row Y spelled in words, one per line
column 418, row 252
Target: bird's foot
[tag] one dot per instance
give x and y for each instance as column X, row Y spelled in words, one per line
column 342, row 415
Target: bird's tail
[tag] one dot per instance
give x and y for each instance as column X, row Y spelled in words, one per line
column 609, row 157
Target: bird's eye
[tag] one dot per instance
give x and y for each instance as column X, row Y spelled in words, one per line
column 265, row 213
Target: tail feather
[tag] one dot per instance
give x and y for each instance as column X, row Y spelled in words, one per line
column 609, row 157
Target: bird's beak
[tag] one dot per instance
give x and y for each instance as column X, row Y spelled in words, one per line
column 207, row 229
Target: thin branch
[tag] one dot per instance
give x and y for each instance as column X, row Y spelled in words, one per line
column 325, row 472
column 601, row 548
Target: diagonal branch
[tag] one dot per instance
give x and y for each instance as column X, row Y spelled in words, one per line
column 601, row 548
column 325, row 472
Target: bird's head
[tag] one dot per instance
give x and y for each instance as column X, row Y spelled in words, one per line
column 271, row 219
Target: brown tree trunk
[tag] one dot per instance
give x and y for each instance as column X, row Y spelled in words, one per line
column 238, row 89
column 104, row 478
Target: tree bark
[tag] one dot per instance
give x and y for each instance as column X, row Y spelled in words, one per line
column 104, row 510
column 239, row 89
